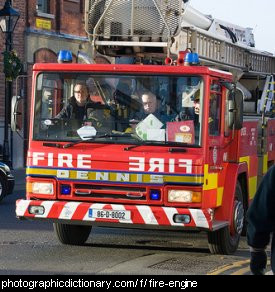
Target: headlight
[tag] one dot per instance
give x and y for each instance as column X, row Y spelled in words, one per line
column 6, row 168
column 182, row 196
column 40, row 188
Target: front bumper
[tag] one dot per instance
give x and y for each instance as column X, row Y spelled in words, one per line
column 144, row 216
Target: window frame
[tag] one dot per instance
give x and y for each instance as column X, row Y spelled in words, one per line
column 43, row 6
column 217, row 92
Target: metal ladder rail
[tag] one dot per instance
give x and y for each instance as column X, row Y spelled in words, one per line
column 267, row 105
column 271, row 95
column 228, row 54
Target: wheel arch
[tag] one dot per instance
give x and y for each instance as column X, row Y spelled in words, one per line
column 226, row 239
column 235, row 173
column 243, row 179
column 5, row 185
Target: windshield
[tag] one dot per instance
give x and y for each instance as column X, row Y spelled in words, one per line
column 75, row 106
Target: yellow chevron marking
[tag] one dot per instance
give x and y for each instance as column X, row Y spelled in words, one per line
column 252, row 186
column 210, row 179
column 247, row 160
column 220, row 196
column 265, row 163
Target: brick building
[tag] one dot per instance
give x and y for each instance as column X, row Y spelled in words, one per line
column 44, row 28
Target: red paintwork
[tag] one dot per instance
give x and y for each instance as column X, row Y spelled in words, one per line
column 271, row 140
column 221, row 153
column 249, row 138
column 122, row 68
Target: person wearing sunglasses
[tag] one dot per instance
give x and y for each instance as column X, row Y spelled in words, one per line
column 76, row 107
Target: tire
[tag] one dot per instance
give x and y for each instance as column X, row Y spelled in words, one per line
column 72, row 234
column 3, row 188
column 244, row 230
column 226, row 240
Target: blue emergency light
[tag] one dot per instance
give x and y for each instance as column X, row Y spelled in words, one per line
column 155, row 195
column 65, row 56
column 192, row 59
column 65, row 189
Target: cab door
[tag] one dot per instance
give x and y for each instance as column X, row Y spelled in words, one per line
column 215, row 125
column 218, row 145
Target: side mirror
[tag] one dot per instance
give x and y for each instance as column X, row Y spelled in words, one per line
column 231, row 111
column 15, row 114
column 228, row 85
column 238, row 110
column 235, row 109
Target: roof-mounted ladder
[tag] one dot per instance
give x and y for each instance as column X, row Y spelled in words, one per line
column 156, row 29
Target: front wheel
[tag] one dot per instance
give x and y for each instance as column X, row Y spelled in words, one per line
column 3, row 188
column 72, row 234
column 226, row 240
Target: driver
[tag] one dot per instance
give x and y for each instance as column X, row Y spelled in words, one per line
column 76, row 108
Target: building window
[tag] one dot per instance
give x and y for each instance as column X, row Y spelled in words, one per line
column 43, row 6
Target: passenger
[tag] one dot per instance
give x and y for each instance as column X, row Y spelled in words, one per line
column 192, row 114
column 197, row 107
column 190, row 110
column 150, row 106
column 261, row 224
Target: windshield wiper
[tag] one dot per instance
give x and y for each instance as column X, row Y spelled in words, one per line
column 106, row 135
column 161, row 143
column 54, row 145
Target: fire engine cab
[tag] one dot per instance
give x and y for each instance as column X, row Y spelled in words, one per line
column 174, row 141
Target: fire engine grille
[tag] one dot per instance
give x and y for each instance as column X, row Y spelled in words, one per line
column 110, row 192
column 134, row 18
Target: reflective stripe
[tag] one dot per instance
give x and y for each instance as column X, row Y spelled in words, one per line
column 142, row 215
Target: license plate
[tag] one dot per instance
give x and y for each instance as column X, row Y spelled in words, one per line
column 110, row 214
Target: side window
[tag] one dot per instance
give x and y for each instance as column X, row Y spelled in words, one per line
column 214, row 120
column 226, row 115
column 43, row 6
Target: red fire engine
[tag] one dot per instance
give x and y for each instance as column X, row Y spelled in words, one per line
column 192, row 163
